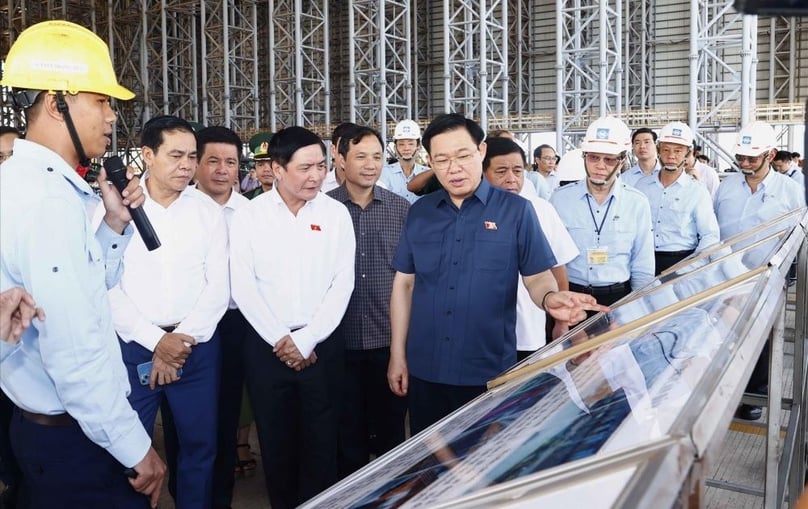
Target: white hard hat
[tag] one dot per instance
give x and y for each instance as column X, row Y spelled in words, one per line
column 571, row 167
column 607, row 135
column 407, row 130
column 755, row 139
column 676, row 132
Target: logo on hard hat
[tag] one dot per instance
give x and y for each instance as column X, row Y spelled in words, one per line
column 677, row 132
column 405, row 129
column 602, row 134
column 746, row 140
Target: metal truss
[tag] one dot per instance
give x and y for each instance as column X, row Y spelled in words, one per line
column 782, row 34
column 723, row 58
column 299, row 61
column 379, row 60
column 520, row 64
column 589, row 56
column 422, row 52
column 782, row 59
column 475, row 58
column 230, row 71
column 639, row 55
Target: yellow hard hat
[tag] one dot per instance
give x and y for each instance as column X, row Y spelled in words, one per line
column 60, row 56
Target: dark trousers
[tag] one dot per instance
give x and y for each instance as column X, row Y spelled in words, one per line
column 606, row 295
column 193, row 403
column 430, row 402
column 62, row 468
column 9, row 470
column 296, row 415
column 371, row 416
column 667, row 259
column 232, row 330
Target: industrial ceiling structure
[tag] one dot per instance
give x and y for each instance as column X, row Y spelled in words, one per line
column 524, row 65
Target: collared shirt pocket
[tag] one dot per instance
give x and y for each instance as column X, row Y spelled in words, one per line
column 490, row 252
column 426, row 255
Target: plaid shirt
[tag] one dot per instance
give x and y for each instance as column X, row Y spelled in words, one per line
column 366, row 323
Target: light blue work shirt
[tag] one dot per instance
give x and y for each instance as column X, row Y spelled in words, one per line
column 796, row 175
column 393, row 179
column 540, row 183
column 739, row 210
column 682, row 213
column 635, row 173
column 624, row 220
column 71, row 361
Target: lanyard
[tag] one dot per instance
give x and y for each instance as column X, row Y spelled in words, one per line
column 598, row 229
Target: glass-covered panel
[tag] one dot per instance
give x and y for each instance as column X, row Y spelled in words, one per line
column 622, row 391
column 717, row 265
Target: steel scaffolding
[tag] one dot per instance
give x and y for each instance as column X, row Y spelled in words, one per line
column 475, row 57
column 230, row 70
column 589, row 60
column 252, row 65
column 639, row 54
column 299, row 62
column 723, row 58
column 379, row 62
column 520, row 64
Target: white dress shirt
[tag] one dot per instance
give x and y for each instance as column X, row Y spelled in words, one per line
column 292, row 271
column 707, row 175
column 530, row 319
column 184, row 281
column 235, row 201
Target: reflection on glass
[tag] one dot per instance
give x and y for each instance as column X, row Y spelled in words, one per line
column 620, row 395
column 719, row 264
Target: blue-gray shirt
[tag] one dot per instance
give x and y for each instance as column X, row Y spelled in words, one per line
column 682, row 213
column 624, row 220
column 71, row 362
column 467, row 263
column 738, row 209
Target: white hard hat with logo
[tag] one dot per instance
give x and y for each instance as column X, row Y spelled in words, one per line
column 676, row 132
column 407, row 130
column 755, row 139
column 607, row 135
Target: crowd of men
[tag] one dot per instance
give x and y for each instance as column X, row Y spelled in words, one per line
column 344, row 297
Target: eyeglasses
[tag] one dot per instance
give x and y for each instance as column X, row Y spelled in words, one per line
column 548, row 158
column 608, row 160
column 750, row 159
column 461, row 160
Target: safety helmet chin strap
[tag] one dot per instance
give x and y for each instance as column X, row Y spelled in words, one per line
column 61, row 104
column 762, row 165
column 678, row 166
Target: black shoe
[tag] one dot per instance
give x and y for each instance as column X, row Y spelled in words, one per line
column 749, row 412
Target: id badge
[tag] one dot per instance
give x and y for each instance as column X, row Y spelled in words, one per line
column 597, row 255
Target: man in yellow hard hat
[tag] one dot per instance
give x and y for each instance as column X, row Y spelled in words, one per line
column 77, row 439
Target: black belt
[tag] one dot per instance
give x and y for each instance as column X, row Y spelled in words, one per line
column 686, row 252
column 602, row 290
column 48, row 420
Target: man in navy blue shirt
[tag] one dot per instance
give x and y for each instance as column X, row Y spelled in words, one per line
column 453, row 305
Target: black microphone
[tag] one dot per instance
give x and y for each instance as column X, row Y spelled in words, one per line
column 116, row 173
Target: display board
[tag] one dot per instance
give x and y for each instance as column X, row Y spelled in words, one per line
column 613, row 396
